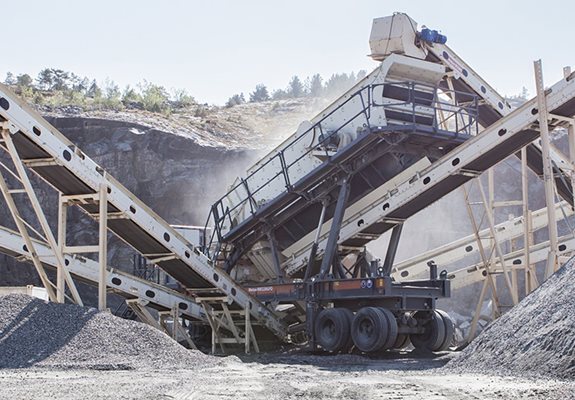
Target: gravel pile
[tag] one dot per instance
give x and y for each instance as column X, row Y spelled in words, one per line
column 37, row 333
column 535, row 338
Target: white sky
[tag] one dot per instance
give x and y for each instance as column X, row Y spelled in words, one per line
column 220, row 47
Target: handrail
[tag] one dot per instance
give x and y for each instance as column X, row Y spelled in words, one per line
column 418, row 107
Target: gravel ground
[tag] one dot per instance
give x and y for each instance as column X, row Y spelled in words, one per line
column 282, row 377
column 535, row 338
column 54, row 351
column 37, row 333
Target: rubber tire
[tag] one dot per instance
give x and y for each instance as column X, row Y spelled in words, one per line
column 369, row 329
column 449, row 330
column 332, row 329
column 392, row 329
column 401, row 342
column 433, row 337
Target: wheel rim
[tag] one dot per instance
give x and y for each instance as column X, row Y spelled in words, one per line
column 332, row 329
column 366, row 328
column 369, row 329
column 329, row 330
column 433, row 336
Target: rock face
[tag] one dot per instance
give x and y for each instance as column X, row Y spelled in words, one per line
column 173, row 174
column 178, row 164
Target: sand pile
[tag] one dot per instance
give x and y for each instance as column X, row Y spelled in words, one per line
column 536, row 337
column 37, row 333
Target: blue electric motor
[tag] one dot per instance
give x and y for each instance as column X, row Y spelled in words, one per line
column 432, row 36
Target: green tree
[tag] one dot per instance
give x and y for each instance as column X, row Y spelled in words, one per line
column 279, row 94
column 295, row 87
column 45, row 79
column 53, row 79
column 112, row 96
column 24, row 81
column 154, row 97
column 259, row 94
column 112, row 90
column 60, row 79
column 131, row 98
column 337, row 84
column 316, row 86
column 235, row 100
column 10, row 79
column 79, row 84
column 182, row 99
column 94, row 91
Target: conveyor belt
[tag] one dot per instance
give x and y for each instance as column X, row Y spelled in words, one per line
column 295, row 222
column 467, row 246
column 496, row 107
column 72, row 172
column 495, row 143
column 86, row 270
column 279, row 201
column 516, row 259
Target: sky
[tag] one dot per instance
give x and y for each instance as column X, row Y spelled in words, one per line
column 217, row 48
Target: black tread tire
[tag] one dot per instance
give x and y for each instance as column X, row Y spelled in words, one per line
column 401, row 342
column 449, row 330
column 434, row 335
column 332, row 329
column 369, row 329
column 392, row 329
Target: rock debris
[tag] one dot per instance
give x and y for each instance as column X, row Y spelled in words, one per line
column 535, row 338
column 42, row 334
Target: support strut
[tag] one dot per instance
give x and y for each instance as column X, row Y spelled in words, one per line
column 392, row 249
column 331, row 246
column 313, row 251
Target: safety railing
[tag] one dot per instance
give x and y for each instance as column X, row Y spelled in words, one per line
column 418, row 104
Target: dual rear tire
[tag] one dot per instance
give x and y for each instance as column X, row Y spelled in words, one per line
column 370, row 329
column 438, row 331
column 374, row 329
column 332, row 329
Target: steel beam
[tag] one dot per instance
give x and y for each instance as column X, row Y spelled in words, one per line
column 85, row 269
column 103, row 247
column 392, row 249
column 548, row 178
column 22, row 120
column 469, row 245
column 331, row 246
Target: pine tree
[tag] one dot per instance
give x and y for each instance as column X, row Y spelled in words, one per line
column 235, row 100
column 316, row 86
column 361, row 74
column 131, row 97
column 60, row 79
column 45, row 79
column 94, row 91
column 295, row 88
column 279, row 94
column 260, row 94
column 10, row 79
column 24, row 81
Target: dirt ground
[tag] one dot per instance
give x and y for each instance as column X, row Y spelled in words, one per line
column 295, row 376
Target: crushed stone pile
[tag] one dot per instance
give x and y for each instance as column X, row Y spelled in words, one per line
column 535, row 338
column 42, row 334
